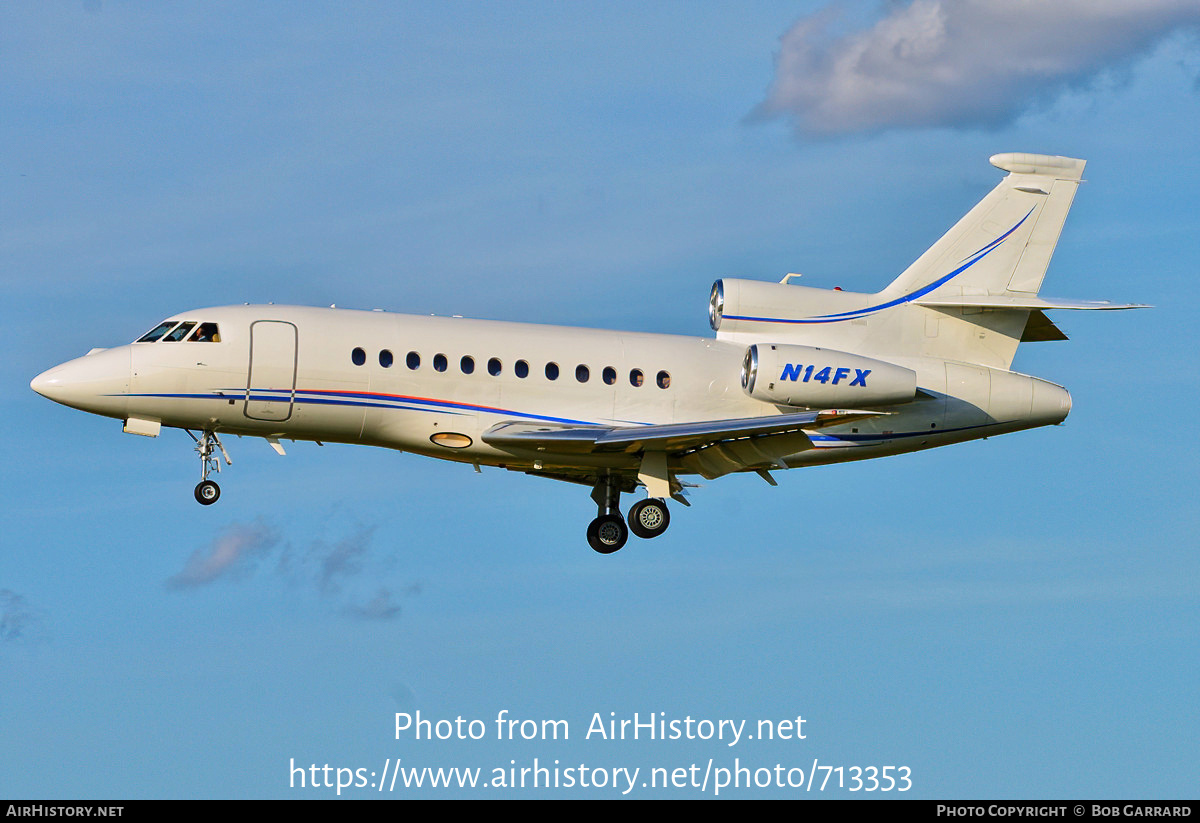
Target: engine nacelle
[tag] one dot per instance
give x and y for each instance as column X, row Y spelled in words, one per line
column 737, row 303
column 823, row 378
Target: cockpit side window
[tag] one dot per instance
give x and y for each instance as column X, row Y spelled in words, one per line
column 157, row 332
column 206, row 333
column 179, row 333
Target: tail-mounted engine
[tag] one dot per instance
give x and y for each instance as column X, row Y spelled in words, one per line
column 735, row 305
column 823, row 378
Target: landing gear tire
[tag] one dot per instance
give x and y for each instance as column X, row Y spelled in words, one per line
column 649, row 518
column 607, row 533
column 207, row 492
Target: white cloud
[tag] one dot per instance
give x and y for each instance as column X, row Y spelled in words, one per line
column 958, row 62
column 233, row 554
column 238, row 551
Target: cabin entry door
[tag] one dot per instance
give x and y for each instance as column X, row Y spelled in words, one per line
column 271, row 386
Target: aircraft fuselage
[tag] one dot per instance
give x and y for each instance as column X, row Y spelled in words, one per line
column 290, row 372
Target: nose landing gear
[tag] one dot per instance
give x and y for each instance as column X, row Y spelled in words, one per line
column 208, row 492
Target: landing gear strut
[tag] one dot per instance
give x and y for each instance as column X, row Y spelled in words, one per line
column 207, row 492
column 607, row 533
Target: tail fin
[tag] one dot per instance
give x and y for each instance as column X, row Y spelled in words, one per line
column 979, row 282
column 1003, row 245
column 972, row 298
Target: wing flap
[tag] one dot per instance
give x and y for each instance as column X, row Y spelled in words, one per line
column 673, row 438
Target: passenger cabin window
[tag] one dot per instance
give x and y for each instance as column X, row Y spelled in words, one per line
column 610, row 375
column 385, row 359
column 582, row 373
column 635, row 378
column 551, row 371
column 664, row 380
column 439, row 362
column 521, row 369
column 179, row 333
column 413, row 360
column 358, row 356
column 494, row 367
column 157, row 332
column 206, row 333
column 467, row 364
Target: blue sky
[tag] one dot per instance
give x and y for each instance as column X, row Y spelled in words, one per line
column 1008, row 618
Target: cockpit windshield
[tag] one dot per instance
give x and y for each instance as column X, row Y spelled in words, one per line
column 157, row 332
column 204, row 332
column 179, row 332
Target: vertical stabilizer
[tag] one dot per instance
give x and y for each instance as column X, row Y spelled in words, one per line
column 971, row 298
column 974, row 282
column 1003, row 245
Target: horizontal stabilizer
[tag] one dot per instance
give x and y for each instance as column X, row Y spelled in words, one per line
column 1019, row 301
column 673, row 438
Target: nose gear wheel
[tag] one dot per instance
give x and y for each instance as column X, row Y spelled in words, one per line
column 207, row 444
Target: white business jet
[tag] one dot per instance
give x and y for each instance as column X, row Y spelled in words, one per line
column 796, row 376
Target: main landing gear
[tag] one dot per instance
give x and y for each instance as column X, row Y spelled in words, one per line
column 649, row 518
column 608, row 532
column 208, row 492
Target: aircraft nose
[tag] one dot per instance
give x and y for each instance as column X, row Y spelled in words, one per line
column 49, row 383
column 41, row 383
column 97, row 382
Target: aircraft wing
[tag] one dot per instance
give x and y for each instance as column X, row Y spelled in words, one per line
column 673, row 438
